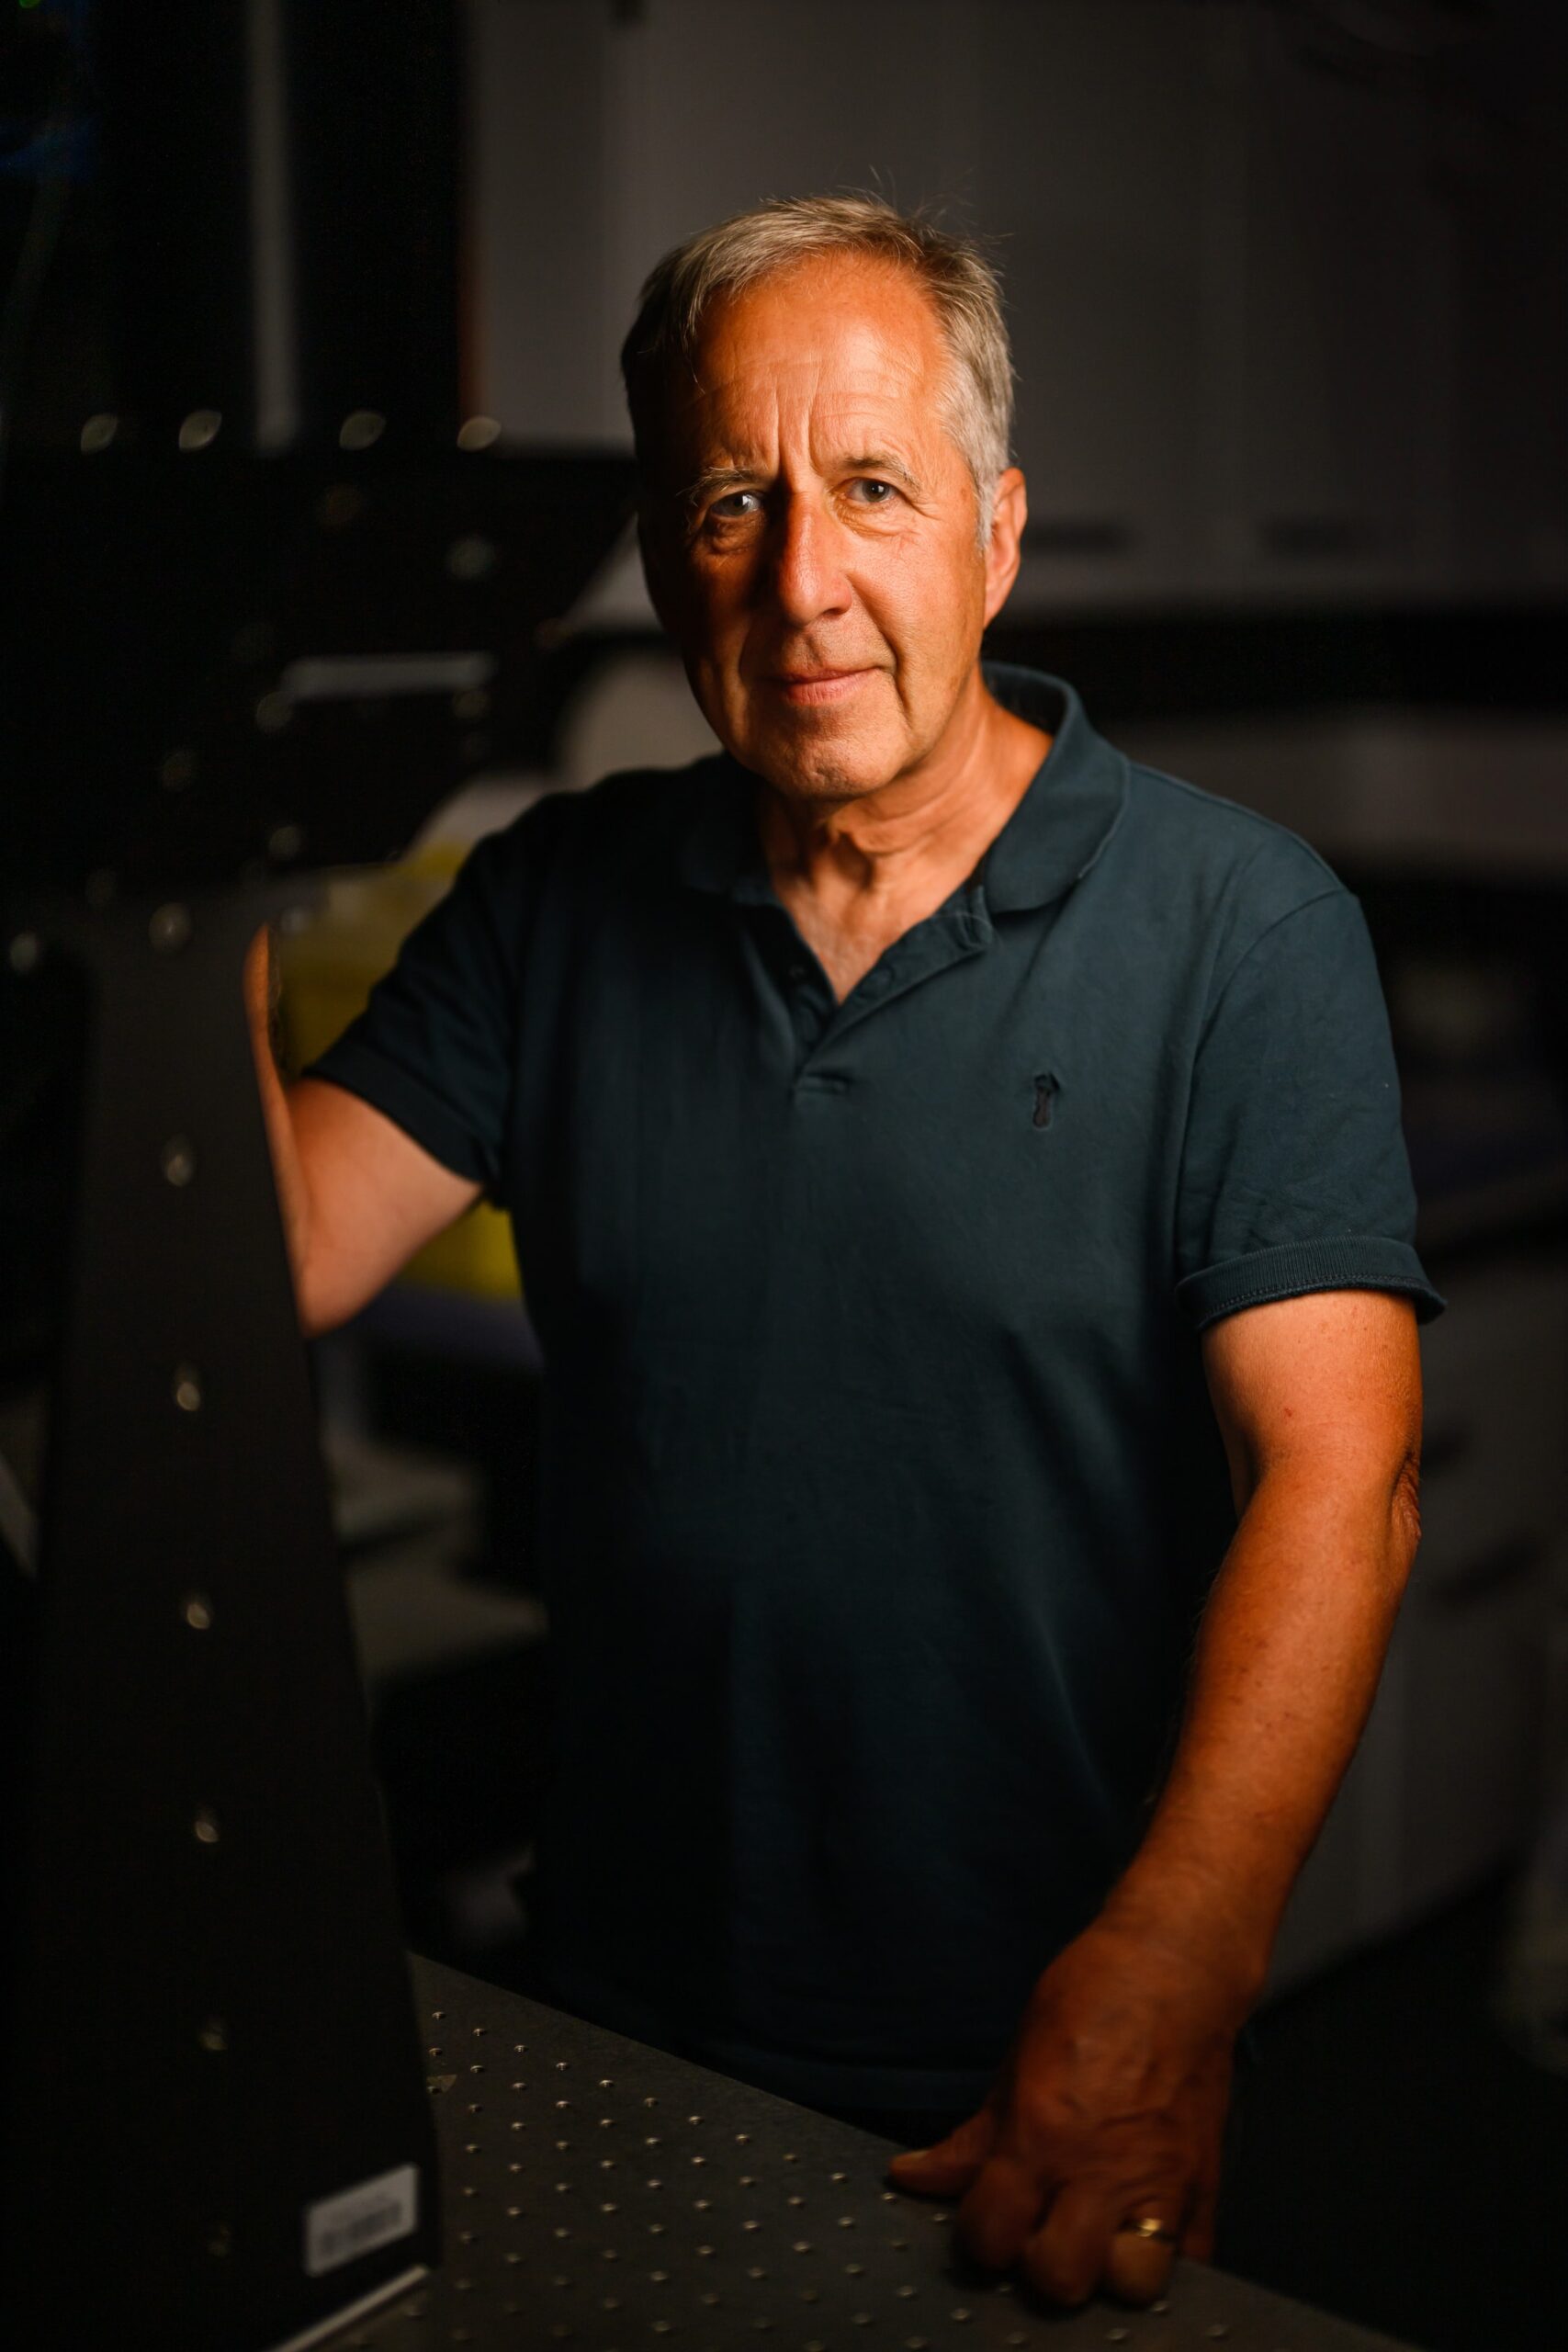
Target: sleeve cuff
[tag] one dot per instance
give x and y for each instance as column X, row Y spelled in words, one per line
column 1348, row 1261
column 406, row 1103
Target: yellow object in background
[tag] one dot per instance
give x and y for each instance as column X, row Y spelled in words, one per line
column 328, row 973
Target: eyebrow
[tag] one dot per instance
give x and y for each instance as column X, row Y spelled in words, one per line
column 714, row 482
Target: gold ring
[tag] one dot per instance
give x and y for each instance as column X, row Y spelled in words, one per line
column 1146, row 2226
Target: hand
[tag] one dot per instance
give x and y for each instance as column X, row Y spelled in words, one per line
column 1110, row 2107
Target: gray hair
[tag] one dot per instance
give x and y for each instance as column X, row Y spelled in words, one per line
column 960, row 285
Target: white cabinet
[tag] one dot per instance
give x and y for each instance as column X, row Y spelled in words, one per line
column 1333, row 368
column 1510, row 399
column 541, row 189
column 1094, row 180
column 716, row 106
column 604, row 136
column 1285, row 286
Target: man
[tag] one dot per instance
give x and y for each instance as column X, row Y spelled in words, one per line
column 954, row 1175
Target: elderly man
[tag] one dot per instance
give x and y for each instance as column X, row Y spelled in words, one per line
column 958, row 1184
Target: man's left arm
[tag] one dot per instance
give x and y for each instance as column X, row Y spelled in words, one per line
column 1110, row 2106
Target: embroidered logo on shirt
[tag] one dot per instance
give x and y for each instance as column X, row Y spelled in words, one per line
column 1045, row 1092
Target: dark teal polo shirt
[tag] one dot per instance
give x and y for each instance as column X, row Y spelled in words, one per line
column 882, row 1489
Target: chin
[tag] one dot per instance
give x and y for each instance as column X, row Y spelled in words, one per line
column 812, row 765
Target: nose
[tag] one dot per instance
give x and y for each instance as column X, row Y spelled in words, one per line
column 808, row 575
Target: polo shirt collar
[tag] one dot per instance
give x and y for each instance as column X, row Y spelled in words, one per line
column 1054, row 836
column 1072, row 807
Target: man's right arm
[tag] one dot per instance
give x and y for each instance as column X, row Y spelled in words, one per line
column 358, row 1196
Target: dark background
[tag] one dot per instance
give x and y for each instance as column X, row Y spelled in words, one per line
column 1286, row 283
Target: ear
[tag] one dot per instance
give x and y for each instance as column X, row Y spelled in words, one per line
column 1003, row 548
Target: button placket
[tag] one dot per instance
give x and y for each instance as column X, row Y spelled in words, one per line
column 934, row 946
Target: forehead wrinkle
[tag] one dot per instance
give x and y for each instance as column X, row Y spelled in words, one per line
column 753, row 392
column 859, row 360
column 796, row 386
column 846, row 432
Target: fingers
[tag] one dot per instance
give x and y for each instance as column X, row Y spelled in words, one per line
column 1084, row 2243
column 947, row 2169
column 1084, row 2246
column 1001, row 2211
column 1064, row 2258
column 1137, row 2269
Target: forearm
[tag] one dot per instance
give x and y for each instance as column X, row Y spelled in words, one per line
column 261, row 985
column 1288, row 1658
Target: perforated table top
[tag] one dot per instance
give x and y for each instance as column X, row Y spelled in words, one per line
column 606, row 2197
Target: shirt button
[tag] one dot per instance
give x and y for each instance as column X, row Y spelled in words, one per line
column 797, row 973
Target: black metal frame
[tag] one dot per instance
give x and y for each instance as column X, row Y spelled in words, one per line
column 247, row 635
column 212, row 2031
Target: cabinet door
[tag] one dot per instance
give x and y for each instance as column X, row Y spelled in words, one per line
column 604, row 136
column 715, row 108
column 1092, row 178
column 1510, row 211
column 1334, row 474
column 539, row 224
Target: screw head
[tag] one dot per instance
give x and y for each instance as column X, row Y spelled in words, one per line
column 205, row 1826
column 188, row 1388
column 177, row 1160
column 285, row 842
column 178, row 769
column 361, row 429
column 25, row 951
column 200, row 429
column 478, row 433
column 197, row 1614
column 169, row 928
column 98, row 433
column 472, row 556
column 273, row 713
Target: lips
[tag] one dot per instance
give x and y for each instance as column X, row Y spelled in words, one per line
column 808, row 686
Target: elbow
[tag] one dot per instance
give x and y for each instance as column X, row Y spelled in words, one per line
column 313, row 1327
column 317, row 1314
column 1405, row 1515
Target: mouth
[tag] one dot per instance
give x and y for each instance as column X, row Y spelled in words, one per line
column 805, row 687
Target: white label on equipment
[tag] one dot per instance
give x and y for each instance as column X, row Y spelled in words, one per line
column 357, row 2220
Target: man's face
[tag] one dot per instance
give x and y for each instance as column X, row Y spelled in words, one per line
column 811, row 538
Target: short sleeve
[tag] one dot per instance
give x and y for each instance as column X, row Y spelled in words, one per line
column 436, row 1047
column 1294, row 1174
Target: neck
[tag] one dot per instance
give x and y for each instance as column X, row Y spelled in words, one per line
column 935, row 818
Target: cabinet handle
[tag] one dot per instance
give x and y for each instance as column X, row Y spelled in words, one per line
column 1311, row 538
column 1093, row 535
